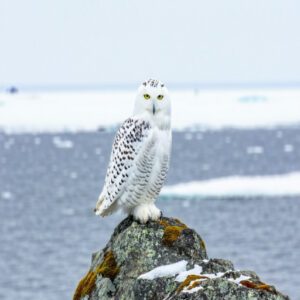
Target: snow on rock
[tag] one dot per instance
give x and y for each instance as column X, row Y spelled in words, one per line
column 179, row 269
column 167, row 270
column 239, row 279
column 183, row 275
column 193, row 290
column 272, row 185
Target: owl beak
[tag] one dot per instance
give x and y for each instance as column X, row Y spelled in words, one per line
column 153, row 109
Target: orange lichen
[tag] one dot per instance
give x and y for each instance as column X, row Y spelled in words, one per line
column 188, row 282
column 171, row 232
column 164, row 223
column 258, row 286
column 202, row 244
column 85, row 286
column 108, row 268
column 171, row 235
column 194, row 284
column 180, row 223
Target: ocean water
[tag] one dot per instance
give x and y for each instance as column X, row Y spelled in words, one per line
column 49, row 184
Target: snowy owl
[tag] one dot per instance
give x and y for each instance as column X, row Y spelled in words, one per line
column 140, row 156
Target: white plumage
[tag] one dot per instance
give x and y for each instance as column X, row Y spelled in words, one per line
column 140, row 156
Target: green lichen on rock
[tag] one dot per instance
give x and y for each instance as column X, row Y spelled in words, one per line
column 135, row 249
column 221, row 288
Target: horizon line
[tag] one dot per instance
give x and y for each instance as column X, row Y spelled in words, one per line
column 130, row 86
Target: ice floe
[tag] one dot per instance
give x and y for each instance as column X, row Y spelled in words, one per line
column 90, row 111
column 271, row 185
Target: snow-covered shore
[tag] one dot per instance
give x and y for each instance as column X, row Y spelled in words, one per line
column 89, row 111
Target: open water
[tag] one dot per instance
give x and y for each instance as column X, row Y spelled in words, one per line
column 49, row 184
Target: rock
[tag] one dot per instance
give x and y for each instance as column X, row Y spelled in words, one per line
column 135, row 249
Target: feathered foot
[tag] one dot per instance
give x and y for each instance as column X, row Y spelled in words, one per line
column 145, row 212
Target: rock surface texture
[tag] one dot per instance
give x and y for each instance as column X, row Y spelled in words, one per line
column 165, row 260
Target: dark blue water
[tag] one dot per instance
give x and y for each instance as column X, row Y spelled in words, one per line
column 48, row 188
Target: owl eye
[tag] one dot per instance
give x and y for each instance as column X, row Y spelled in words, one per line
column 160, row 97
column 147, row 96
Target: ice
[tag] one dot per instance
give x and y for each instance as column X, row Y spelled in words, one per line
column 255, row 150
column 61, row 143
column 288, row 148
column 6, row 195
column 90, row 111
column 271, row 185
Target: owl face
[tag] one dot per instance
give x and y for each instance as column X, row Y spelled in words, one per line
column 153, row 98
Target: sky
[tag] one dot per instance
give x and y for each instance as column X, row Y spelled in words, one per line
column 120, row 42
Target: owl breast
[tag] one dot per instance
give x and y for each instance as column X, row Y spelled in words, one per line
column 149, row 171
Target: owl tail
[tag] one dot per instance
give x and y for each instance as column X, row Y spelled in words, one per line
column 98, row 209
column 102, row 210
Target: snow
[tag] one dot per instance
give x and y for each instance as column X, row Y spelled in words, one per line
column 239, row 279
column 193, row 290
column 183, row 275
column 271, row 185
column 89, row 111
column 179, row 269
column 166, row 270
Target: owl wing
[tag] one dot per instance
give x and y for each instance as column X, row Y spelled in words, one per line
column 127, row 145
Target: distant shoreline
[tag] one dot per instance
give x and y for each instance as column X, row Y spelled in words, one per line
column 132, row 86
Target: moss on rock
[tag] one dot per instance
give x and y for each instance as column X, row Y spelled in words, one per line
column 189, row 281
column 258, row 285
column 171, row 232
column 108, row 268
column 85, row 285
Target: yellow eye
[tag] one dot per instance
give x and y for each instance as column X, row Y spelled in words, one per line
column 147, row 96
column 160, row 97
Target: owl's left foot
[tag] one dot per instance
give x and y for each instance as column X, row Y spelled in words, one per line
column 145, row 212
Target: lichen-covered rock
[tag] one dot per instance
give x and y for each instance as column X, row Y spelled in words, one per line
column 135, row 249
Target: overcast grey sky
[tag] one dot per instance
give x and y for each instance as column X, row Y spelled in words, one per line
column 91, row 42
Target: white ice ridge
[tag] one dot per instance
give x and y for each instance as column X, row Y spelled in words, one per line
column 166, row 270
column 271, row 185
column 87, row 111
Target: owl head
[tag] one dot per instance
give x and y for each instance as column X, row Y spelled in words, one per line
column 152, row 100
